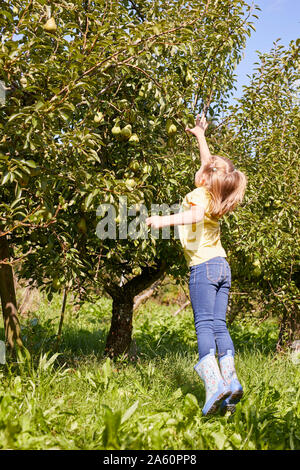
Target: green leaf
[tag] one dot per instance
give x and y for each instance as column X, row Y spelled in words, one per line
column 6, row 177
column 39, row 105
column 220, row 439
column 88, row 200
column 7, row 14
column 13, row 116
column 30, row 163
column 64, row 115
column 128, row 413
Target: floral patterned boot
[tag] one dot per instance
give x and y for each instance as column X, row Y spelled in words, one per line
column 229, row 375
column 216, row 388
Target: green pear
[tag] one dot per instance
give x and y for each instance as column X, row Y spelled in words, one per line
column 126, row 132
column 99, row 117
column 134, row 139
column 50, row 25
column 257, row 268
column 56, row 284
column 257, row 271
column 172, row 129
column 82, row 225
column 116, row 130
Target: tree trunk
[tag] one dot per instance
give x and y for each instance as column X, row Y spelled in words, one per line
column 289, row 329
column 119, row 337
column 8, row 297
column 62, row 316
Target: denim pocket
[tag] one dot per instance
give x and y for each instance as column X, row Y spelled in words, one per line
column 214, row 271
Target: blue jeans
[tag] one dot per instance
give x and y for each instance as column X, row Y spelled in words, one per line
column 209, row 286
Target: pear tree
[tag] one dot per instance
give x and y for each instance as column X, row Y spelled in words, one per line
column 261, row 134
column 99, row 96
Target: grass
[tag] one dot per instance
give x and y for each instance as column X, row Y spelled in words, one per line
column 77, row 399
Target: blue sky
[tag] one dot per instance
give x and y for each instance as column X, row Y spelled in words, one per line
column 277, row 19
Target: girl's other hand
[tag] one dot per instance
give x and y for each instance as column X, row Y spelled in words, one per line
column 154, row 221
column 200, row 127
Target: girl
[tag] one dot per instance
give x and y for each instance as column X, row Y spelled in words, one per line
column 219, row 189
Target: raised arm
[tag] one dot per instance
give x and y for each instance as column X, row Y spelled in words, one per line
column 199, row 132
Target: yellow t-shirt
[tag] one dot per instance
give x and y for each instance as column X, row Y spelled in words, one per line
column 201, row 241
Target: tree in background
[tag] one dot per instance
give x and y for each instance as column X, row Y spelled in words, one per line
column 262, row 136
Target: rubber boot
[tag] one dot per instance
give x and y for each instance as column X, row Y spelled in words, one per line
column 229, row 375
column 215, row 387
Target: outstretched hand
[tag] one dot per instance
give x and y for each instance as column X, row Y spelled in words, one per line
column 200, row 127
column 154, row 221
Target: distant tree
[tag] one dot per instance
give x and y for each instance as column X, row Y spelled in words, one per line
column 262, row 135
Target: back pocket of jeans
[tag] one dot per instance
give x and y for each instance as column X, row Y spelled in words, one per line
column 214, row 271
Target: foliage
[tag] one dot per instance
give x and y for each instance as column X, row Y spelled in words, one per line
column 262, row 136
column 121, row 64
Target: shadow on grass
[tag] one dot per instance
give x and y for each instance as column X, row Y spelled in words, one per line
column 75, row 344
column 80, row 343
column 83, row 342
column 261, row 338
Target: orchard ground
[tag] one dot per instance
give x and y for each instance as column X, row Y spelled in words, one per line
column 77, row 399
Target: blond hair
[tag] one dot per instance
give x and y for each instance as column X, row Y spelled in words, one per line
column 225, row 184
